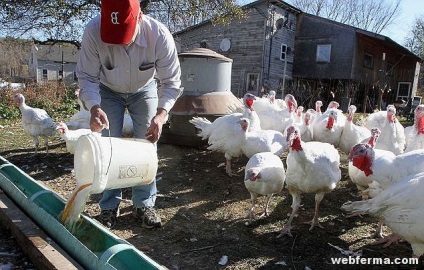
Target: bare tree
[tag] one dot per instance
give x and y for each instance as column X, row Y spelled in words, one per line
column 415, row 39
column 180, row 14
column 371, row 15
column 45, row 19
column 65, row 20
column 415, row 42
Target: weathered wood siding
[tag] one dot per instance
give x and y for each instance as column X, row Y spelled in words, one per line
column 247, row 38
column 403, row 65
column 273, row 65
column 250, row 45
column 345, row 76
column 313, row 31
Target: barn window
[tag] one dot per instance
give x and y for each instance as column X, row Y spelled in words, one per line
column 368, row 61
column 323, row 53
column 283, row 53
column 45, row 74
column 403, row 90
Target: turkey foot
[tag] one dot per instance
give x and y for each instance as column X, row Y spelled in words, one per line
column 228, row 168
column 314, row 222
column 264, row 214
column 355, row 215
column 388, row 240
column 285, row 231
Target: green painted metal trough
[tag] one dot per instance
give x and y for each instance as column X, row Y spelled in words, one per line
column 89, row 243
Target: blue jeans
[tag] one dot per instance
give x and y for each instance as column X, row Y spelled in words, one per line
column 142, row 107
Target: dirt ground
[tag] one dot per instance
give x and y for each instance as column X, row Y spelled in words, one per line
column 204, row 213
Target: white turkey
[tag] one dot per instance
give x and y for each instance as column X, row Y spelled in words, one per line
column 318, row 105
column 71, row 136
column 264, row 176
column 415, row 134
column 80, row 119
column 392, row 136
column 315, row 113
column 356, row 175
column 224, row 133
column 280, row 103
column 298, row 116
column 329, row 126
column 383, row 168
column 375, row 134
column 333, row 105
column 312, row 167
column 274, row 118
column 257, row 141
column 400, row 205
column 306, row 131
column 36, row 123
column 352, row 134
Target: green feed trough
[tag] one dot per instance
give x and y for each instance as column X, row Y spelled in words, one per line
column 88, row 242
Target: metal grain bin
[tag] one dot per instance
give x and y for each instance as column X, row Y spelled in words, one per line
column 206, row 79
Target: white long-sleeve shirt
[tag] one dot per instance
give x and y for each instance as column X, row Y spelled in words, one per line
column 126, row 69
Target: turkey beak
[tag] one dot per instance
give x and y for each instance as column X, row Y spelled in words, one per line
column 252, row 175
column 290, row 136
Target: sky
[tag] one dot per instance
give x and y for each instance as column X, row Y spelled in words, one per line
column 409, row 9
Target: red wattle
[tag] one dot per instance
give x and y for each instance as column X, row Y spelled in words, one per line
column 249, row 104
column 421, row 125
column 371, row 142
column 290, row 105
column 363, row 163
column 330, row 123
column 295, row 144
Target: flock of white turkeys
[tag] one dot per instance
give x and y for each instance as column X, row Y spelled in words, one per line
column 386, row 160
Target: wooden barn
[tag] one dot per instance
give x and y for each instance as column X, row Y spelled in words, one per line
column 351, row 64
column 278, row 47
column 261, row 46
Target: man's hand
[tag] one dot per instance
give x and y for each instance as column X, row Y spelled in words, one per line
column 98, row 119
column 155, row 129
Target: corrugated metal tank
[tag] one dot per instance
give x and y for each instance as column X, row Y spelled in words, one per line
column 206, row 79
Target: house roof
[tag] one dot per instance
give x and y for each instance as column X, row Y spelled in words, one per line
column 56, row 53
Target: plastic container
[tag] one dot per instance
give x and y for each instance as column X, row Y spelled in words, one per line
column 109, row 163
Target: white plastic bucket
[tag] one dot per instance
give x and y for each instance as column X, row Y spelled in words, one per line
column 110, row 163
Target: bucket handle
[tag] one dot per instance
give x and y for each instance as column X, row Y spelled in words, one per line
column 110, row 156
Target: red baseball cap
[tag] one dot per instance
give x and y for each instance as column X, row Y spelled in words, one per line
column 118, row 20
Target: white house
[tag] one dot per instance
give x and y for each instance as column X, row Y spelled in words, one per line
column 53, row 63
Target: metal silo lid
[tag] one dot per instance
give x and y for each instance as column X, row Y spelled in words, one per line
column 206, row 53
